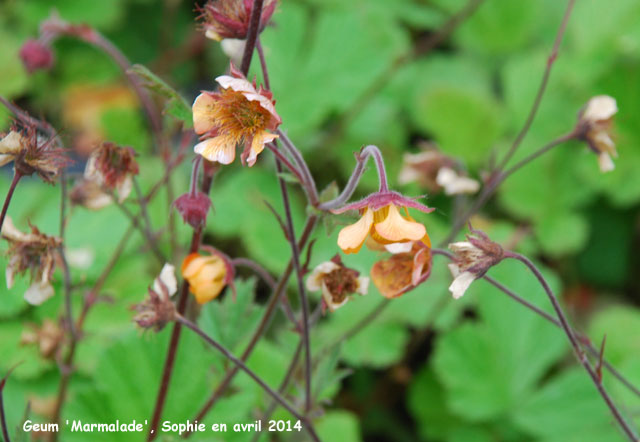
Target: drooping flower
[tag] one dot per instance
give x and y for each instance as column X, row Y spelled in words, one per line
column 336, row 282
column 32, row 153
column 382, row 221
column 89, row 193
column 454, row 183
column 32, row 252
column 230, row 18
column 472, row 260
column 157, row 310
column 403, row 271
column 237, row 114
column 594, row 127
column 112, row 167
column 207, row 275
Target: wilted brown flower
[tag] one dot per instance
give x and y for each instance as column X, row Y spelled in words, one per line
column 594, row 127
column 402, row 271
column 157, row 310
column 112, row 167
column 47, row 337
column 472, row 260
column 89, row 194
column 34, row 252
column 239, row 113
column 230, row 18
column 336, row 282
column 32, row 153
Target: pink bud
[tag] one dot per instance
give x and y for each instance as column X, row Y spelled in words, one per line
column 36, row 55
column 193, row 208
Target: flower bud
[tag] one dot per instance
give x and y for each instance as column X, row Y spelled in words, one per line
column 36, row 55
column 206, row 275
column 193, row 207
column 230, row 18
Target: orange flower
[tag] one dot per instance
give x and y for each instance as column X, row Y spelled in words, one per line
column 383, row 222
column 206, row 275
column 402, row 271
column 239, row 113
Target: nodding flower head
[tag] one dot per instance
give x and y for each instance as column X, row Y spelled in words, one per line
column 403, row 271
column 157, row 310
column 238, row 113
column 472, row 260
column 112, row 167
column 222, row 19
column 32, row 252
column 337, row 282
column 193, row 207
column 207, row 275
column 594, row 127
column 32, row 153
column 382, row 221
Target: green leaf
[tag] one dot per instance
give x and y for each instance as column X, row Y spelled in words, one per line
column 560, row 233
column 568, row 408
column 231, row 321
column 176, row 105
column 490, row 366
column 339, row 422
column 427, row 403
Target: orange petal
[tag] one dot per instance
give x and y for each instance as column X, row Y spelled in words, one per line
column 257, row 145
column 395, row 228
column 203, row 108
column 393, row 276
column 217, row 149
column 350, row 238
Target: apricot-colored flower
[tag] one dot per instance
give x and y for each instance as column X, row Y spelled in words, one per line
column 32, row 252
column 206, row 275
column 402, row 271
column 383, row 222
column 230, row 18
column 594, row 125
column 336, row 282
column 239, row 113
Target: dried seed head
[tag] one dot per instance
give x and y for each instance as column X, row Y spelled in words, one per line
column 337, row 282
column 158, row 310
column 32, row 252
column 32, row 153
column 230, row 18
column 112, row 167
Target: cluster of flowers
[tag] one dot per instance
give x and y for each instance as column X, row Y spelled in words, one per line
column 240, row 113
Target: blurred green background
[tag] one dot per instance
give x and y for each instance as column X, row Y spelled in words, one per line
column 479, row 369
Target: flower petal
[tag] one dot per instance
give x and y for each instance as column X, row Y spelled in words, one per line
column 203, row 113
column 166, row 280
column 461, row 283
column 236, row 84
column 217, row 149
column 605, row 162
column 351, row 238
column 601, row 107
column 328, row 299
column 257, row 145
column 395, row 228
column 455, row 184
column 124, row 188
column 11, row 144
column 38, row 292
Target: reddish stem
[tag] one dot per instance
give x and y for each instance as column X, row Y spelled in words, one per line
column 14, row 183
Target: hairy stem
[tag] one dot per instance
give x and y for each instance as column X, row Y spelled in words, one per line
column 242, row 366
column 3, row 419
column 14, row 183
column 177, row 329
column 252, row 36
column 541, row 90
column 277, row 294
column 575, row 343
